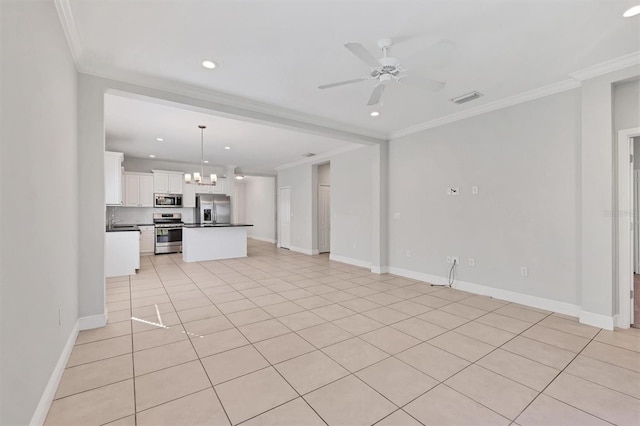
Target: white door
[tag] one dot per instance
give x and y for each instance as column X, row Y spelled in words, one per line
column 284, row 215
column 324, row 218
column 175, row 183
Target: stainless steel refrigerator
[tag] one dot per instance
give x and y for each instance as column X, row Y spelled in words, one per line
column 213, row 208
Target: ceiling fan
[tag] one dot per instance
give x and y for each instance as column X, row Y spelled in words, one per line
column 385, row 70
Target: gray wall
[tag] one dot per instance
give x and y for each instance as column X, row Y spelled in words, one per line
column 299, row 179
column 39, row 257
column 626, row 105
column 523, row 159
column 324, row 174
column 260, row 207
column 145, row 165
column 351, row 205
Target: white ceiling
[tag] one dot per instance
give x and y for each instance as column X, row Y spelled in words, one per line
column 132, row 126
column 274, row 53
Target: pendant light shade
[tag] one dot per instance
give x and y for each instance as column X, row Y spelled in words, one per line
column 197, row 176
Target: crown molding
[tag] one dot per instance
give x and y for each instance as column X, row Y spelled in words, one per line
column 319, row 158
column 607, row 67
column 71, row 33
column 243, row 108
column 530, row 95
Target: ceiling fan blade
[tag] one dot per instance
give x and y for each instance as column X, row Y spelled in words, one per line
column 423, row 83
column 362, row 53
column 376, row 95
column 342, row 83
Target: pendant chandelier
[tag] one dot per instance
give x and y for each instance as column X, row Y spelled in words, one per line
column 197, row 176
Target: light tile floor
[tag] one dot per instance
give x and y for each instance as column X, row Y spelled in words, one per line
column 281, row 338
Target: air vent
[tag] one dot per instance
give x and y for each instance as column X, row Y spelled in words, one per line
column 308, row 154
column 466, row 97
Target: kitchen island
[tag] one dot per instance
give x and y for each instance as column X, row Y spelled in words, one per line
column 202, row 242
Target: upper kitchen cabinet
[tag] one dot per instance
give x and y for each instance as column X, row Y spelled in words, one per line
column 188, row 194
column 113, row 178
column 165, row 182
column 220, row 187
column 138, row 189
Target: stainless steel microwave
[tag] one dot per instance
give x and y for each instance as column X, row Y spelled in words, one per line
column 167, row 200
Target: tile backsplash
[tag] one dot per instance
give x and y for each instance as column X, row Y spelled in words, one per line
column 140, row 215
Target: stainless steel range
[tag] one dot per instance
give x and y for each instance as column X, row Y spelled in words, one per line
column 168, row 232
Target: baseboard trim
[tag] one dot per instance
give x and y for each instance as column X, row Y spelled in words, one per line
column 301, row 250
column 350, row 261
column 92, row 321
column 496, row 293
column 597, row 320
column 40, row 415
column 266, row 240
column 379, row 269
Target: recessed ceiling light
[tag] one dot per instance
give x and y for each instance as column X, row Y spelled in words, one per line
column 209, row 64
column 152, row 156
column 375, row 113
column 633, row 11
column 227, row 147
column 206, row 161
column 159, row 139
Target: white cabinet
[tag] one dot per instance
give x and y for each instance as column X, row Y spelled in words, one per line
column 220, row 187
column 175, row 183
column 121, row 253
column 160, row 182
column 165, row 182
column 138, row 189
column 188, row 195
column 147, row 239
column 113, row 178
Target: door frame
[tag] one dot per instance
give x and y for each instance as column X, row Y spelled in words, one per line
column 625, row 222
column 328, row 250
column 278, row 201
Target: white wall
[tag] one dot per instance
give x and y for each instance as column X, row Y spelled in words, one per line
column 524, row 161
column 626, row 105
column 351, row 190
column 145, row 165
column 351, row 204
column 597, row 154
column 260, row 207
column 299, row 179
column 324, row 174
column 38, row 175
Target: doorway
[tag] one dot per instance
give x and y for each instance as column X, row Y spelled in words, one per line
column 625, row 224
column 284, row 217
column 323, row 223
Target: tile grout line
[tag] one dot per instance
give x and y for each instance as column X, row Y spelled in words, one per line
column 198, row 356
column 383, row 325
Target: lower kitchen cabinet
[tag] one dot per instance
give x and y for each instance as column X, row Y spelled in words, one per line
column 121, row 253
column 147, row 239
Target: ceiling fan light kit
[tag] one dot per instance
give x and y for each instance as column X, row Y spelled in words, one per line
column 197, row 176
column 385, row 70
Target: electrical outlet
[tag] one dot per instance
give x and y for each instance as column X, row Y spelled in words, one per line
column 524, row 271
column 396, row 215
column 408, row 253
column 451, row 259
column 354, row 245
column 474, row 190
column 453, row 190
column 472, row 262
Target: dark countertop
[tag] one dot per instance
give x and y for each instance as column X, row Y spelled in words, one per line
column 122, row 228
column 214, row 225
